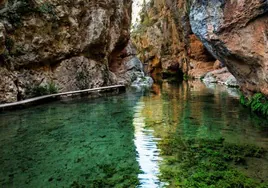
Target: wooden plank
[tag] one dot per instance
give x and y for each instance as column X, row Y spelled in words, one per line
column 120, row 87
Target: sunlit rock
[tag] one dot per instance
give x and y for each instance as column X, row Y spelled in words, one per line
column 235, row 32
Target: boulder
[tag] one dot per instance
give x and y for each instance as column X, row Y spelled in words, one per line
column 236, row 33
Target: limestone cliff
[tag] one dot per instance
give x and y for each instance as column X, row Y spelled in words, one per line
column 65, row 44
column 166, row 43
column 236, row 33
column 180, row 35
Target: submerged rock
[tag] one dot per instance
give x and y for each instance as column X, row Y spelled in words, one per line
column 144, row 81
column 129, row 69
column 135, row 74
column 235, row 32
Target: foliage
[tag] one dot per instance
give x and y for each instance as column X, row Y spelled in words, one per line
column 18, row 50
column 185, row 77
column 47, row 9
column 145, row 20
column 9, row 43
column 82, row 80
column 188, row 5
column 15, row 10
column 258, row 103
column 207, row 163
column 40, row 90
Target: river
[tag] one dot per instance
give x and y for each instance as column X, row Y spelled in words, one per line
column 173, row 135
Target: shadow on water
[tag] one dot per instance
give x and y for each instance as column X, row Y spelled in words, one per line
column 176, row 135
column 80, row 143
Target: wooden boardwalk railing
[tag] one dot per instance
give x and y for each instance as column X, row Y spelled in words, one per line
column 31, row 100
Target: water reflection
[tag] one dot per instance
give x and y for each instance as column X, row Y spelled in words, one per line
column 147, row 151
column 192, row 111
column 93, row 143
column 197, row 111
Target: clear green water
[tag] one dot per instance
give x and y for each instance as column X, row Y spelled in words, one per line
column 180, row 135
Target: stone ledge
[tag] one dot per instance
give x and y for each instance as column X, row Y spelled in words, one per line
column 53, row 96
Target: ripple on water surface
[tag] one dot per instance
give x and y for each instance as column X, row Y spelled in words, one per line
column 74, row 144
column 146, row 147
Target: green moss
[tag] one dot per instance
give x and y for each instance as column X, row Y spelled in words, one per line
column 207, row 163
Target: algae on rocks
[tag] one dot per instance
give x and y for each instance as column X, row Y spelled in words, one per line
column 204, row 162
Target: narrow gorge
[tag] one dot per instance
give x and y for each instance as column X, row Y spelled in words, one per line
column 219, row 42
column 49, row 46
column 194, row 108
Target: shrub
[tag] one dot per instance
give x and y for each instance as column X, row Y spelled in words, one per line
column 40, row 90
column 257, row 103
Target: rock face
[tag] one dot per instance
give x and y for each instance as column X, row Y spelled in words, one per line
column 67, row 43
column 128, row 68
column 236, row 33
column 221, row 76
column 165, row 42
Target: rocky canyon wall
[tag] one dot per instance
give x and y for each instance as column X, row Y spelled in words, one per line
column 165, row 41
column 236, row 33
column 189, row 35
column 83, row 44
column 69, row 45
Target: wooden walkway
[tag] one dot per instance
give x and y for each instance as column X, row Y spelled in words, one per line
column 31, row 100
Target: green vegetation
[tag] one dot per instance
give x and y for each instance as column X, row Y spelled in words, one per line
column 185, row 77
column 9, row 43
column 18, row 50
column 82, row 80
column 46, row 8
column 207, row 163
column 258, row 103
column 15, row 10
column 145, row 20
column 40, row 90
column 188, row 5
